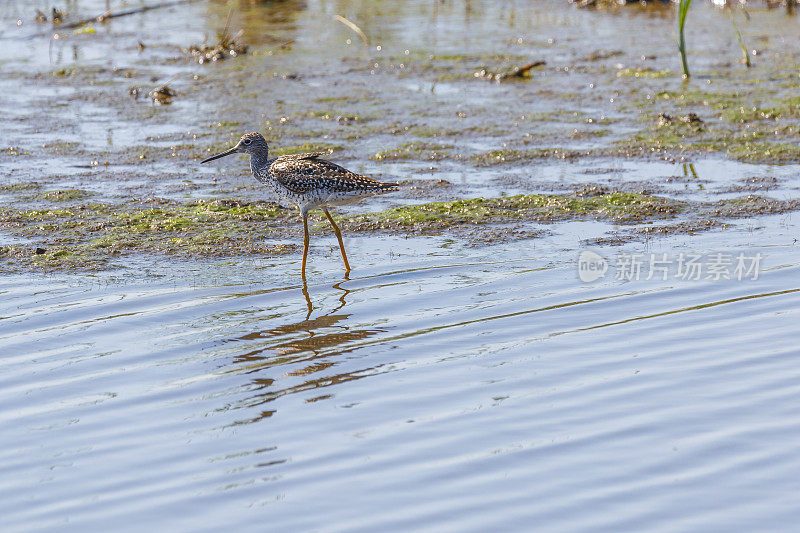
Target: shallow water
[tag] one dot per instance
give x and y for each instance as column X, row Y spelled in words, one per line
column 444, row 386
column 451, row 393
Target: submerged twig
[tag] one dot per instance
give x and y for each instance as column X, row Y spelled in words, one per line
column 353, row 27
column 516, row 72
column 521, row 72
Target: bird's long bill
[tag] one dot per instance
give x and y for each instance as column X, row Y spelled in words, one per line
column 223, row 154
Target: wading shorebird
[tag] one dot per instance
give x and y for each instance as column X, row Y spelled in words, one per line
column 306, row 181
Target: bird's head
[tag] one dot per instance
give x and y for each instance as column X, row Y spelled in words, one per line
column 251, row 143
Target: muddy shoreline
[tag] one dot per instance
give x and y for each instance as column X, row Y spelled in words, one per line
column 411, row 109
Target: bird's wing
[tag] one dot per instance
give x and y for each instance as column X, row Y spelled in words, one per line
column 303, row 174
column 300, row 157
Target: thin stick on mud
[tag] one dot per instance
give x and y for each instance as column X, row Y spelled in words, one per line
column 228, row 21
column 122, row 13
column 353, row 27
column 521, row 72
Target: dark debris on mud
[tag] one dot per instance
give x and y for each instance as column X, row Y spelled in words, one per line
column 227, row 46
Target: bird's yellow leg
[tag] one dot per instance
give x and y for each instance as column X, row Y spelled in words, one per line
column 338, row 236
column 305, row 245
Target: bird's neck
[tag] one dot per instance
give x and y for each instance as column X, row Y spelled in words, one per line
column 259, row 162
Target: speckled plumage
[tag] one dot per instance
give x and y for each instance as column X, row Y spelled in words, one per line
column 306, row 181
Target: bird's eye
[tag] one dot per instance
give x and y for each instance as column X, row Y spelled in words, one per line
column 246, row 142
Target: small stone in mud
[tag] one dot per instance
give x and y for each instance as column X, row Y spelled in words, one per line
column 664, row 120
column 40, row 251
column 163, row 95
column 58, row 16
column 692, row 118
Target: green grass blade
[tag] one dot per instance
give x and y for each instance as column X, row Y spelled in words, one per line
column 745, row 55
column 683, row 10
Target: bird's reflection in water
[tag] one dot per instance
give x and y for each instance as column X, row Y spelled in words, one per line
column 337, row 286
column 290, row 358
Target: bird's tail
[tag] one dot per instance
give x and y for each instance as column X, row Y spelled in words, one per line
column 388, row 187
